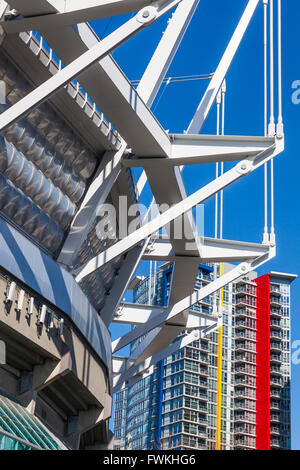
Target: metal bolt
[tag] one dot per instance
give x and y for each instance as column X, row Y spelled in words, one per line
column 146, row 14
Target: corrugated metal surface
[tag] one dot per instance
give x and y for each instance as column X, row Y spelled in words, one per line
column 46, row 169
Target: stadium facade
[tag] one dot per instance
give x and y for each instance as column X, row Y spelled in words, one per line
column 175, row 406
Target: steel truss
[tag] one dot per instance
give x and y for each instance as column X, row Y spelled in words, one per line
column 146, row 144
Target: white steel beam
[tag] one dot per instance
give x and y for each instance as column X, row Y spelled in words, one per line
column 213, row 251
column 196, row 149
column 222, row 69
column 241, row 169
column 166, row 50
column 136, row 314
column 59, row 13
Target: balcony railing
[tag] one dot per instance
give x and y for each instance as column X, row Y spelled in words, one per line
column 275, row 300
column 275, row 289
column 275, row 393
column 276, row 334
column 245, row 370
column 276, row 358
column 276, row 346
column 275, row 443
column 276, row 381
column 275, row 369
column 275, row 312
column 275, row 418
column 275, row 323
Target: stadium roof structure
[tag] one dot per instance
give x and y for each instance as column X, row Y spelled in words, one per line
column 68, row 147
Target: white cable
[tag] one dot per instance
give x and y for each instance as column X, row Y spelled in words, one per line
column 218, row 102
column 183, row 78
column 266, row 227
column 280, row 117
column 223, row 92
column 150, row 284
column 272, row 233
column 272, row 119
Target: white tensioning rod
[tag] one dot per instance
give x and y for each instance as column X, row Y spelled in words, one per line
column 272, row 116
column 266, row 226
column 272, row 119
column 280, row 117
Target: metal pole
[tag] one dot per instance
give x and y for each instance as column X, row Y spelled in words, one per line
column 266, row 227
column 280, row 117
column 272, row 119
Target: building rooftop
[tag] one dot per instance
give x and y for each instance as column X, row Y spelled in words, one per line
column 287, row 276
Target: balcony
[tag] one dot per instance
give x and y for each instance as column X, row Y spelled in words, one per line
column 245, row 323
column 275, row 418
column 275, row 290
column 244, row 443
column 244, row 312
column 244, row 335
column 275, row 324
column 275, row 393
column 244, row 418
column 244, row 380
column 275, row 312
column 275, row 301
column 244, row 357
column 275, row 443
column 244, row 393
column 245, row 370
column 245, row 346
column 275, row 369
column 242, row 405
column 276, row 358
column 276, row 335
column 242, row 429
column 276, row 381
column 275, row 346
column 275, row 405
column 241, row 301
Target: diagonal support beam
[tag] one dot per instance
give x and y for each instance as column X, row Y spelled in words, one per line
column 73, row 12
column 166, row 50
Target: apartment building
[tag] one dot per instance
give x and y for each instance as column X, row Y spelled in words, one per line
column 175, row 405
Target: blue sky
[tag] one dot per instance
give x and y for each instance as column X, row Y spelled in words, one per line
column 199, row 53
